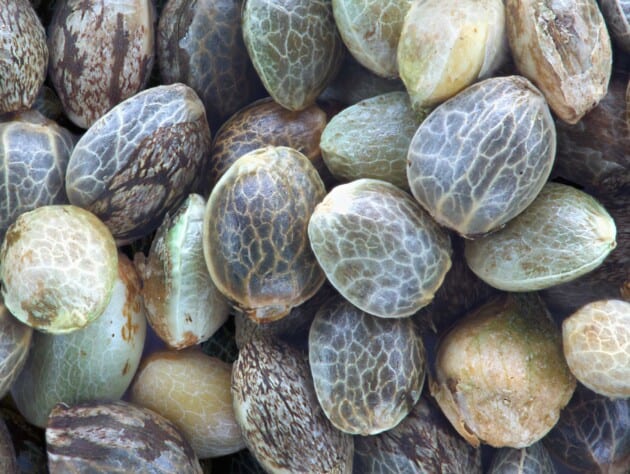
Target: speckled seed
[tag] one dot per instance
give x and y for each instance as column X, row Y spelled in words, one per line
column 23, row 55
column 192, row 390
column 115, row 437
column 617, row 16
column 424, row 443
column 370, row 29
column 58, row 267
column 93, row 363
column 481, row 158
column 563, row 48
column 183, row 305
column 563, row 234
column 15, row 342
column 101, row 53
column 446, row 45
column 501, row 377
column 534, row 459
column 267, row 123
column 592, row 433
column 593, row 153
column 371, row 138
column 294, row 46
column 200, row 43
column 368, row 372
column 34, row 154
column 596, row 341
column 277, row 409
column 140, row 160
column 255, row 232
column 379, row 248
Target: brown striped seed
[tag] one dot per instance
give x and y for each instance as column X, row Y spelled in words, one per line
column 101, row 52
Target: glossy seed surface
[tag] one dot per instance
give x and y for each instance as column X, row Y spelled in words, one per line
column 267, row 123
column 192, row 390
column 200, row 43
column 34, row 153
column 596, row 341
column 563, row 234
column 58, row 267
column 379, row 248
column 115, row 437
column 294, row 46
column 255, row 232
column 534, row 459
column 370, row 29
column 479, row 159
column 371, row 138
column 183, row 305
column 368, row 372
column 96, row 362
column 140, row 160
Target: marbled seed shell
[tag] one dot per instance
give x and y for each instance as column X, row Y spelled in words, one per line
column 58, row 267
column 23, row 55
column 267, row 123
column 596, row 342
column 277, row 409
column 183, row 305
column 370, row 139
column 101, row 53
column 294, row 46
column 479, row 159
column 370, row 29
column 96, row 362
column 564, row 48
column 379, row 248
column 8, row 461
column 192, row 390
column 34, row 154
column 255, row 232
column 115, row 437
column 563, row 234
column 368, row 372
column 140, row 160
column 15, row 342
column 534, row 459
column 200, row 43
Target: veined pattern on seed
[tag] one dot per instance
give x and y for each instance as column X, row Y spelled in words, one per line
column 482, row 157
column 130, row 172
column 371, row 29
column 368, row 372
column 379, row 248
column 294, row 46
column 101, row 52
column 34, row 152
